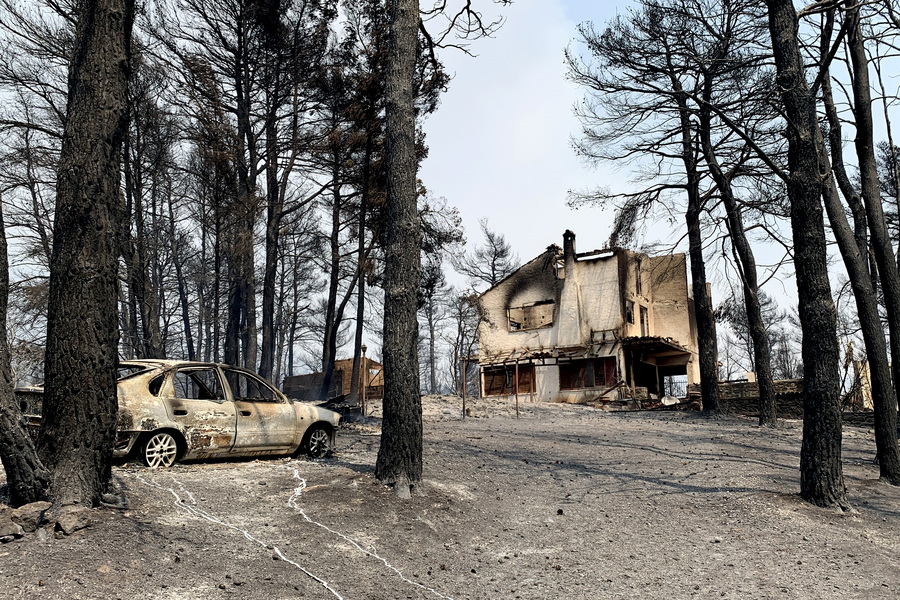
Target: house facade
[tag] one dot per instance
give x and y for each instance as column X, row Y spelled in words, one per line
column 569, row 327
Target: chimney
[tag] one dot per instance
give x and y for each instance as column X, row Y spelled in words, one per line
column 569, row 245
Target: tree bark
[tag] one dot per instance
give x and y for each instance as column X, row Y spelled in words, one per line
column 399, row 460
column 79, row 408
column 821, row 473
column 26, row 477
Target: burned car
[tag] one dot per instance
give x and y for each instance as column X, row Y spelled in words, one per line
column 174, row 410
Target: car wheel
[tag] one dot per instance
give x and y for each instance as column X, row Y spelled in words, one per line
column 318, row 442
column 160, row 450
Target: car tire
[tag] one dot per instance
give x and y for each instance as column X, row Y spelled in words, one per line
column 318, row 442
column 160, row 450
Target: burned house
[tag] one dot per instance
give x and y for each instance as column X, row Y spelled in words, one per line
column 570, row 327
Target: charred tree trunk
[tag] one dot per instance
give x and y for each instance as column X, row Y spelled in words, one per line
column 399, row 460
column 182, row 284
column 703, row 310
column 746, row 265
column 79, row 409
column 242, row 308
column 432, row 351
column 231, row 350
column 886, row 408
column 332, row 321
column 361, row 288
column 273, row 229
column 280, row 334
column 821, row 472
column 26, row 477
column 853, row 245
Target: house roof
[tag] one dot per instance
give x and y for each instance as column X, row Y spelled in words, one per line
column 551, row 249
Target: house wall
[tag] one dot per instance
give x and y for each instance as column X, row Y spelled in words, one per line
column 672, row 307
column 599, row 294
column 534, row 282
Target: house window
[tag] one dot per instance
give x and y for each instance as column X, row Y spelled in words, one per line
column 583, row 374
column 561, row 269
column 531, row 316
column 645, row 322
column 629, row 312
column 500, row 381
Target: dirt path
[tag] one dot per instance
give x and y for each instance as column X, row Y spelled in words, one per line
column 567, row 503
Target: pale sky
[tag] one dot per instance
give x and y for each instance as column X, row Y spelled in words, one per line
column 499, row 144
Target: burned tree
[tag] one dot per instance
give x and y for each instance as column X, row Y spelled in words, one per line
column 79, row 410
column 639, row 105
column 487, row 264
column 399, row 460
column 821, row 473
column 26, row 477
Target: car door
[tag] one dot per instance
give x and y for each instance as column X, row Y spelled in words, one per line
column 199, row 405
column 266, row 421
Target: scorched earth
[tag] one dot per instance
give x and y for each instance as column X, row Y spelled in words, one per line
column 564, row 502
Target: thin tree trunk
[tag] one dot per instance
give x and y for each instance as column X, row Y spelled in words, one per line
column 863, row 281
column 703, row 310
column 217, row 285
column 182, row 284
column 26, row 477
column 273, row 229
column 821, row 473
column 361, row 288
column 399, row 459
column 332, row 321
column 79, row 407
column 279, row 324
column 432, row 353
column 746, row 265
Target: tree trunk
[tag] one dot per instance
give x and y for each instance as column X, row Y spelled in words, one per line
column 26, row 477
column 79, row 408
column 332, row 321
column 703, row 310
column 134, row 251
column 361, row 288
column 821, row 473
column 182, row 284
column 854, row 249
column 886, row 409
column 746, row 265
column 273, row 229
column 400, row 455
column 432, row 350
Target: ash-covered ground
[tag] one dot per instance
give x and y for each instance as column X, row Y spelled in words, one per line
column 566, row 502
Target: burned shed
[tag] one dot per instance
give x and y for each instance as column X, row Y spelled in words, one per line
column 307, row 388
column 571, row 327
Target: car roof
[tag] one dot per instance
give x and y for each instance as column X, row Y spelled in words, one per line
column 166, row 363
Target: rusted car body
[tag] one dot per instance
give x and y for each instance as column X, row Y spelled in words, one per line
column 177, row 410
